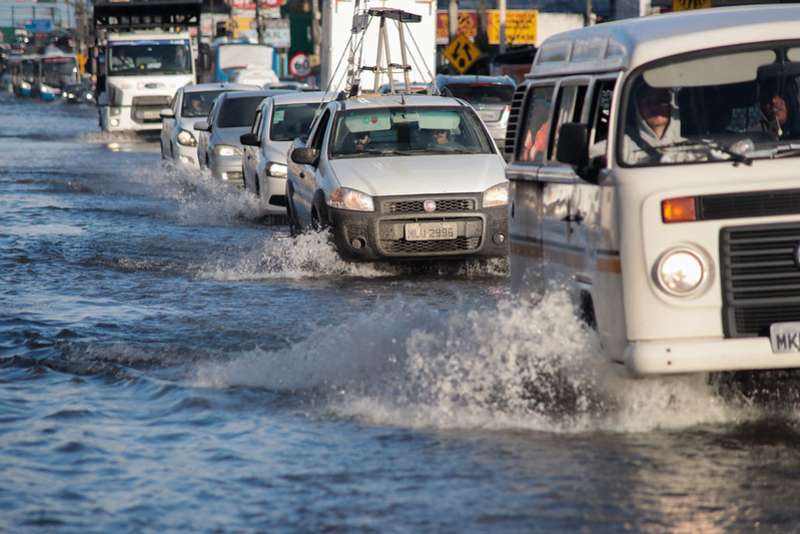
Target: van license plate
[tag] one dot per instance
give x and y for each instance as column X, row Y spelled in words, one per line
column 431, row 231
column 785, row 337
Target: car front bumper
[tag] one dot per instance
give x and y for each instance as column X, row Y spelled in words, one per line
column 228, row 169
column 380, row 235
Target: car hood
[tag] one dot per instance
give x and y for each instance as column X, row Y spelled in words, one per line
column 420, row 175
column 187, row 123
column 229, row 136
column 277, row 151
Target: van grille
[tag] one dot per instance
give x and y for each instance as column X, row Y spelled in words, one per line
column 513, row 121
column 751, row 204
column 760, row 277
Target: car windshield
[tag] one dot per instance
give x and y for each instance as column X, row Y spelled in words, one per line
column 238, row 112
column 131, row 58
column 291, row 121
column 731, row 105
column 198, row 104
column 402, row 131
column 481, row 94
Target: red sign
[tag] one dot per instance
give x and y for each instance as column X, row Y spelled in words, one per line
column 299, row 65
column 250, row 4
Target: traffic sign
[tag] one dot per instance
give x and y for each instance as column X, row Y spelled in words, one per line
column 462, row 53
column 299, row 66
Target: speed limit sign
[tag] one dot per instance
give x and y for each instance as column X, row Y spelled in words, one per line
column 299, row 66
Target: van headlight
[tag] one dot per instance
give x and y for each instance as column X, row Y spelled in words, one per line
column 227, row 150
column 186, row 138
column 276, row 169
column 497, row 195
column 24, row 85
column 350, row 199
column 681, row 271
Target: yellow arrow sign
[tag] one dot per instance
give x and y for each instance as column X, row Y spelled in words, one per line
column 461, row 53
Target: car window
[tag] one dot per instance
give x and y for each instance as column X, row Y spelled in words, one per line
column 405, row 130
column 238, row 112
column 319, row 133
column 255, row 128
column 533, row 135
column 569, row 106
column 198, row 104
column 481, row 93
column 291, row 121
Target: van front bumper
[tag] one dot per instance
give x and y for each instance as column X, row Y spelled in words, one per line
column 374, row 236
column 650, row 358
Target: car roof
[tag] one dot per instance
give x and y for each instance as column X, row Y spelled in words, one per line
column 263, row 93
column 626, row 44
column 378, row 101
column 307, row 97
column 200, row 87
column 469, row 79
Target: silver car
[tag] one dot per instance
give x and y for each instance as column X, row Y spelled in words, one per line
column 218, row 145
column 489, row 95
column 279, row 120
column 190, row 104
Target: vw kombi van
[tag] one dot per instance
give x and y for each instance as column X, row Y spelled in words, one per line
column 655, row 172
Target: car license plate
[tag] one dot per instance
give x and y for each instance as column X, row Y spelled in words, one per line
column 785, row 337
column 435, row 231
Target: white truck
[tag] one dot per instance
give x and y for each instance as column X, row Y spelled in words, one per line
column 147, row 55
column 337, row 22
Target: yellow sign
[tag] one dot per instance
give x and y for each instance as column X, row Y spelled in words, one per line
column 461, row 53
column 520, row 27
column 685, row 5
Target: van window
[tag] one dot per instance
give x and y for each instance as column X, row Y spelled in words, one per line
column 599, row 116
column 727, row 105
column 532, row 144
column 570, row 106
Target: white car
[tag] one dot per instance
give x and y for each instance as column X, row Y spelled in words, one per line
column 279, row 120
column 401, row 177
column 218, row 145
column 190, row 104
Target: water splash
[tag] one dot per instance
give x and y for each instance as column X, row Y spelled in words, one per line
column 522, row 364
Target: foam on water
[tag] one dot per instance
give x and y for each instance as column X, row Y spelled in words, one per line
column 522, row 364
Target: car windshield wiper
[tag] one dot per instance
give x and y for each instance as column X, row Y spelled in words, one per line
column 736, row 157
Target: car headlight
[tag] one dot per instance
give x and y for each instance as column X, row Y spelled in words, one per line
column 24, row 85
column 680, row 271
column 227, row 150
column 497, row 195
column 350, row 199
column 186, row 138
column 276, row 169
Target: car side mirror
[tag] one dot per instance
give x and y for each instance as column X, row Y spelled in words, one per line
column 249, row 139
column 202, row 126
column 167, row 113
column 573, row 149
column 305, row 156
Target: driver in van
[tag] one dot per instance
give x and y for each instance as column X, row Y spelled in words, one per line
column 776, row 112
column 655, row 124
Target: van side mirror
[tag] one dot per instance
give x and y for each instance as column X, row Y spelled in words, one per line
column 573, row 149
column 305, row 156
column 202, row 126
column 249, row 139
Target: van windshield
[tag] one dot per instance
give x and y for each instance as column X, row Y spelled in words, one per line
column 732, row 105
column 403, row 131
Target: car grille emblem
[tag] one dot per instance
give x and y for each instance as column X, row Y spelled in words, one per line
column 429, row 206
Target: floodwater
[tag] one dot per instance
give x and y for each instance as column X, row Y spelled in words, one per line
column 169, row 363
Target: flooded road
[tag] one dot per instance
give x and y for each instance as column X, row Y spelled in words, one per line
column 167, row 362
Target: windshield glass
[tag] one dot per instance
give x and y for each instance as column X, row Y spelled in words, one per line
column 241, row 56
column 198, row 104
column 291, row 121
column 131, row 58
column 482, row 93
column 735, row 105
column 409, row 130
column 60, row 71
column 238, row 112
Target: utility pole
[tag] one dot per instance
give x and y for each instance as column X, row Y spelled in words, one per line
column 587, row 16
column 259, row 30
column 452, row 18
column 315, row 27
column 501, row 4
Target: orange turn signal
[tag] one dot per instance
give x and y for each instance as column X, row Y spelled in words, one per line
column 678, row 210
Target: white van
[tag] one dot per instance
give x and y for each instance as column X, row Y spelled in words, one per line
column 654, row 171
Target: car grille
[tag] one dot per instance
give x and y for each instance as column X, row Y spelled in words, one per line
column 428, row 247
column 146, row 109
column 443, row 205
column 391, row 240
column 760, row 277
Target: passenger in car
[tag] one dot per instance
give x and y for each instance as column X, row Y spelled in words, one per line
column 655, row 124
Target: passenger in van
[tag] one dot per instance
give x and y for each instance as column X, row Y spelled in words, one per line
column 655, row 124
